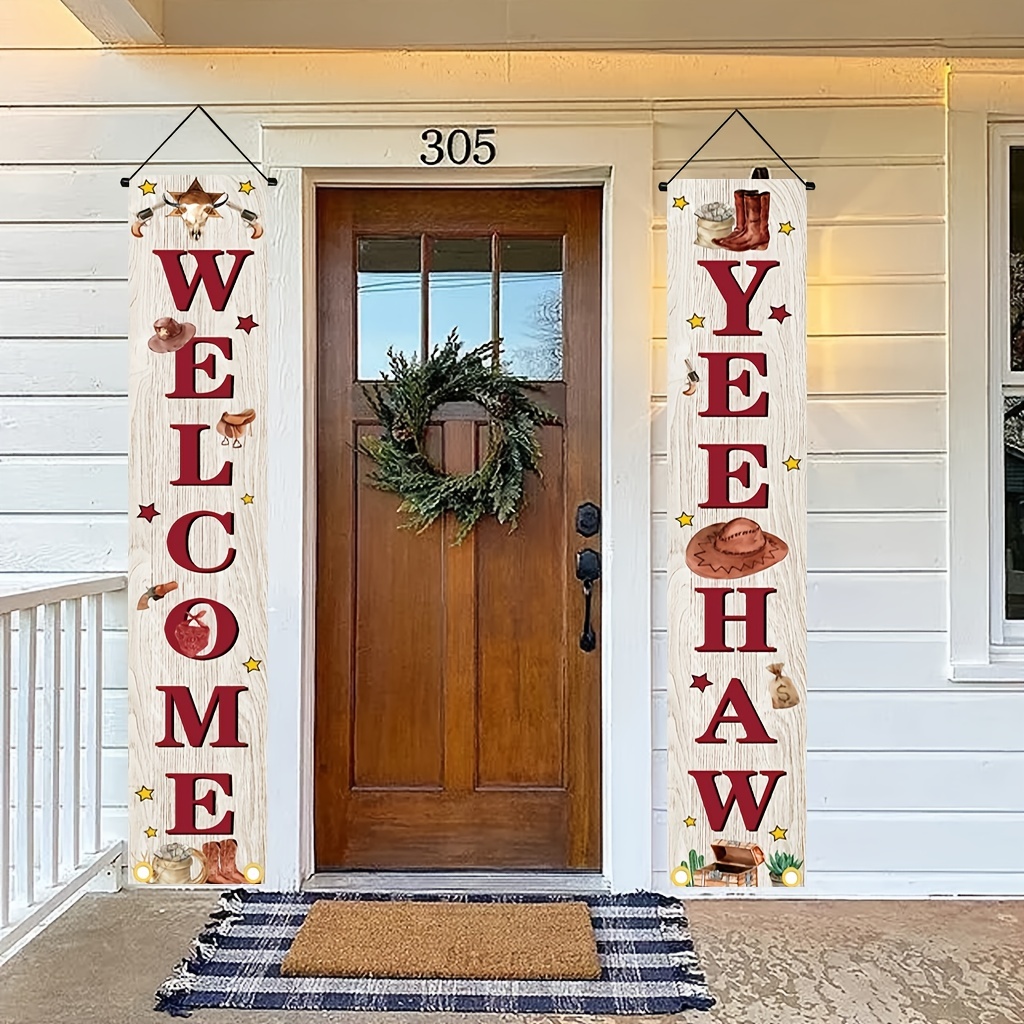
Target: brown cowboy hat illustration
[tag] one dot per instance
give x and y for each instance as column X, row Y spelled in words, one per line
column 170, row 335
column 727, row 551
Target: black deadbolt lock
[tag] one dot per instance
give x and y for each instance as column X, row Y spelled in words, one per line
column 588, row 519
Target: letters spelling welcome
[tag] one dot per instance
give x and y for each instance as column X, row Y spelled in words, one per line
column 754, row 618
column 224, row 699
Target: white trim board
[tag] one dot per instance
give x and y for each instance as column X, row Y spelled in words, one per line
column 979, row 650
column 617, row 153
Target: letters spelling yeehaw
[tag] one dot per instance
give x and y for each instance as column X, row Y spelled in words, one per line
column 197, row 647
column 737, row 551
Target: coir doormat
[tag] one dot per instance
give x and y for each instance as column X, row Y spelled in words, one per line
column 648, row 964
column 444, row 939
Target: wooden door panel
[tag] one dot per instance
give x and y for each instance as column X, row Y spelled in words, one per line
column 398, row 711
column 457, row 719
column 403, row 829
column 522, row 640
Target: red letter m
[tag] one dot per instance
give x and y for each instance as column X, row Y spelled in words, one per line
column 178, row 698
column 741, row 792
column 207, row 271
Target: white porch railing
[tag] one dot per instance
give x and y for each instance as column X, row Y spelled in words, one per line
column 51, row 748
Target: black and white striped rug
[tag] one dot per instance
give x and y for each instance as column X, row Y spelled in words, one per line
column 648, row 964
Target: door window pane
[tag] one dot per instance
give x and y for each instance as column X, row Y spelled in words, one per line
column 531, row 307
column 460, row 290
column 388, row 301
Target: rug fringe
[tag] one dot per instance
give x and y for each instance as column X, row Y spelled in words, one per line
column 172, row 996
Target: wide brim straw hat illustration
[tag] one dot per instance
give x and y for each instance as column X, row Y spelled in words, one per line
column 170, row 335
column 728, row 551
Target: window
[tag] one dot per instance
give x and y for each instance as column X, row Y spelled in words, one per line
column 1008, row 324
column 495, row 290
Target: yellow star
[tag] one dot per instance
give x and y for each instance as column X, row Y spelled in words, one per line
column 252, row 665
column 246, row 499
column 778, row 833
column 791, row 463
column 245, row 186
column 151, row 832
column 684, row 520
column 680, row 202
column 148, row 187
column 144, row 793
column 689, row 822
column 696, row 321
column 786, row 228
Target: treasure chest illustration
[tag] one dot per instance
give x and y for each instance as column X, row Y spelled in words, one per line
column 734, row 864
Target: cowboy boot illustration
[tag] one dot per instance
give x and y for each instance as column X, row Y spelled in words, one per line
column 228, row 868
column 738, row 240
column 759, row 235
column 212, row 853
column 740, row 199
column 755, row 234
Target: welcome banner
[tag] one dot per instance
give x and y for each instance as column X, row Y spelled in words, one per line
column 197, row 541
column 737, row 254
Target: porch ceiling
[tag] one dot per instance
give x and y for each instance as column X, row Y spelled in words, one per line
column 911, row 27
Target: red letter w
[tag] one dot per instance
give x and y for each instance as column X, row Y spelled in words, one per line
column 207, row 271
column 741, row 793
column 178, row 698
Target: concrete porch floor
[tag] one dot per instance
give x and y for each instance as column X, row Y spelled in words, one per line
column 768, row 962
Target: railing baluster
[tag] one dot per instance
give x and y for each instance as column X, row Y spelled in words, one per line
column 25, row 853
column 71, row 727
column 51, row 661
column 6, row 728
column 94, row 722
column 49, row 842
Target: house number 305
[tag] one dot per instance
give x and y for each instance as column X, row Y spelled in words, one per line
column 457, row 146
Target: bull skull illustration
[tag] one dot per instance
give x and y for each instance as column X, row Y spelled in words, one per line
column 195, row 206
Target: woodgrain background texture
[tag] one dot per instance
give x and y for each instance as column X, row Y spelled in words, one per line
column 784, row 432
column 153, row 461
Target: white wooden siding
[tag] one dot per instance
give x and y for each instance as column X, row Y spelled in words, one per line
column 898, row 757
column 909, row 776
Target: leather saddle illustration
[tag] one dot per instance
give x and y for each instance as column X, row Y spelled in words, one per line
column 234, row 426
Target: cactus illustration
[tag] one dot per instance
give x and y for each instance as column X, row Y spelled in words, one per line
column 778, row 862
column 696, row 862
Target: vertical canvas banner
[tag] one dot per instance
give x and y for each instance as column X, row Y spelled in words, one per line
column 737, row 628
column 197, row 470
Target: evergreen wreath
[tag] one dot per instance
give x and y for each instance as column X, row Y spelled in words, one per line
column 404, row 401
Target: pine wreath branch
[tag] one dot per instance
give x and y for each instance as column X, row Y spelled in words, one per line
column 403, row 402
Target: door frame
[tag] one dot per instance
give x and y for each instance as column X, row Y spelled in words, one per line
column 569, row 147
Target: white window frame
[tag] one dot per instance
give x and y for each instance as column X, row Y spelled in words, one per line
column 984, row 649
column 1007, row 635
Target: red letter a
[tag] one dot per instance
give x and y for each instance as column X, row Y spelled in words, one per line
column 737, row 301
column 746, row 715
column 207, row 271
column 741, row 793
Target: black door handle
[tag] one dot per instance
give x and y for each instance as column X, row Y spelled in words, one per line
column 588, row 572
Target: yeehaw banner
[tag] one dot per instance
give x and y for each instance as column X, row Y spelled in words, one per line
column 737, row 552
column 197, row 540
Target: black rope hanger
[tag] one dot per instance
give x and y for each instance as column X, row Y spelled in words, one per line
column 809, row 185
column 125, row 182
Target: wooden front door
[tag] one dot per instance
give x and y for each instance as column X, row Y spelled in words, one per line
column 457, row 718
